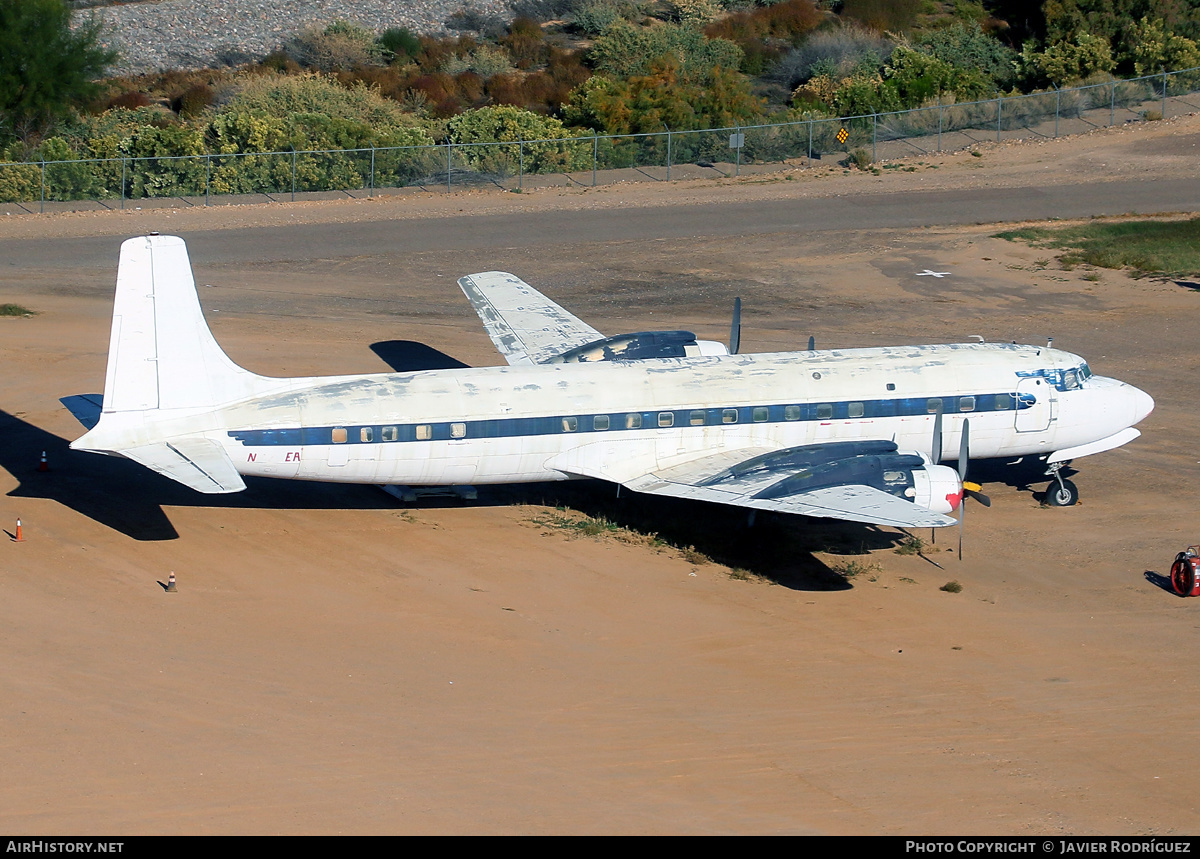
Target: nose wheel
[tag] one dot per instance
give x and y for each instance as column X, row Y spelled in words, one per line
column 1061, row 492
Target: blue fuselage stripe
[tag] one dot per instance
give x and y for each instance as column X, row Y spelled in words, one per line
column 640, row 420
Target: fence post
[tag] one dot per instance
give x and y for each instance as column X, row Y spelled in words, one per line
column 810, row 123
column 448, row 150
column 207, row 176
column 939, row 123
column 521, row 167
column 1164, row 98
column 668, row 151
column 1112, row 103
column 874, row 134
column 1057, row 100
column 737, row 129
column 122, row 181
column 42, row 207
column 371, row 193
column 293, row 174
column 999, row 107
column 595, row 154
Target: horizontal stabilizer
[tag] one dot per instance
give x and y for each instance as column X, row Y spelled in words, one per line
column 198, row 463
column 526, row 327
column 85, row 407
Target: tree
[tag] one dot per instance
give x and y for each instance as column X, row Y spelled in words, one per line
column 46, row 68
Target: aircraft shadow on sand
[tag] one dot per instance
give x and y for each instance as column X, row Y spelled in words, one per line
column 122, row 495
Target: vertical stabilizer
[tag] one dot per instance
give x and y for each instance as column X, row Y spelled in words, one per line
column 161, row 354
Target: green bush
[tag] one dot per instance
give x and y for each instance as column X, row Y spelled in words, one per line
column 507, row 124
column 626, row 51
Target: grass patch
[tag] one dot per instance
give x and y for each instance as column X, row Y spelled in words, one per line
column 854, row 568
column 15, row 310
column 911, row 545
column 951, row 588
column 1144, row 247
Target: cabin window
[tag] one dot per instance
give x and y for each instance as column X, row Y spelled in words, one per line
column 339, row 435
column 824, row 411
column 1003, row 401
column 633, row 421
column 696, row 418
column 891, row 386
column 933, row 405
column 391, row 434
column 365, row 434
column 600, row 422
column 760, row 414
column 570, row 424
column 791, row 413
column 666, row 419
column 729, row 416
column 424, row 432
column 854, row 410
column 458, row 430
column 966, row 404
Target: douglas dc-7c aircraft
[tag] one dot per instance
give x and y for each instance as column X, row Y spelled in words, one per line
column 853, row 434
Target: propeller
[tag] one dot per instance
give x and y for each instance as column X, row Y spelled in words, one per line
column 812, row 343
column 970, row 490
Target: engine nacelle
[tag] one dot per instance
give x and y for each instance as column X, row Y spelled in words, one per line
column 937, row 488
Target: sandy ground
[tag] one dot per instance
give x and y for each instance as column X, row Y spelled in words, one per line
column 337, row 663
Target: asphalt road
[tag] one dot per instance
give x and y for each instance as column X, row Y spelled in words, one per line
column 811, row 211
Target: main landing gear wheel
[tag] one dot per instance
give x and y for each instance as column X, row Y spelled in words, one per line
column 1183, row 576
column 1062, row 493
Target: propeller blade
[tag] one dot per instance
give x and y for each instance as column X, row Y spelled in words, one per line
column 971, row 490
column 936, row 447
column 962, row 515
column 735, row 329
column 812, row 343
column 964, row 451
column 964, row 459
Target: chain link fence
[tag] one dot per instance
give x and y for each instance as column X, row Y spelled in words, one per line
column 600, row 159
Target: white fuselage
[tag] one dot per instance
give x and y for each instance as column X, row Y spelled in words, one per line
column 619, row 420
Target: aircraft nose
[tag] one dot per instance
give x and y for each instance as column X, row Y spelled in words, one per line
column 1143, row 404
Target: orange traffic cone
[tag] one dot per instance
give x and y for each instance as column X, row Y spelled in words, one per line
column 171, row 583
column 43, row 466
column 20, row 537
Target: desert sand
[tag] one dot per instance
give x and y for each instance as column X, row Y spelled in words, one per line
column 337, row 662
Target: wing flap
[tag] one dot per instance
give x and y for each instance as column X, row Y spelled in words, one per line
column 198, row 463
column 526, row 327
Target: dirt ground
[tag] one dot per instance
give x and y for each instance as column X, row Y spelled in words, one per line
column 335, row 662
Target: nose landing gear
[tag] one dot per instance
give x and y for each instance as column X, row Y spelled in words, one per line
column 1062, row 492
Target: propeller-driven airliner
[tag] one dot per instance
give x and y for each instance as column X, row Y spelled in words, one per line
column 853, row 434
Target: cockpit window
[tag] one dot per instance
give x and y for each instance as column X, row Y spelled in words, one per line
column 1070, row 380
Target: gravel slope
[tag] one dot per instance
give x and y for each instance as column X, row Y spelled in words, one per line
column 196, row 33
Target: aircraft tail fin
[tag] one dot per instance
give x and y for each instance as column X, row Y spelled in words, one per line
column 161, row 354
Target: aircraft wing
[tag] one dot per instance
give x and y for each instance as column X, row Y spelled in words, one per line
column 774, row 480
column 526, row 327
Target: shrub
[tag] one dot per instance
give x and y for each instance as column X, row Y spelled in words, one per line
column 507, row 124
column 484, row 61
column 1067, row 61
column 1154, row 48
column 836, row 54
column 968, row 47
column 626, row 51
column 338, row 46
column 885, row 16
column 399, row 45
